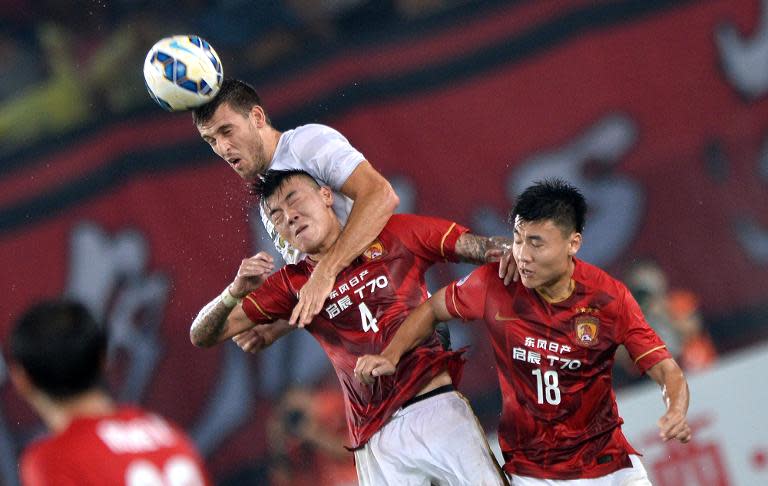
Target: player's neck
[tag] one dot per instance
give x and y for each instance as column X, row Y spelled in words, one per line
column 560, row 289
column 271, row 140
column 58, row 414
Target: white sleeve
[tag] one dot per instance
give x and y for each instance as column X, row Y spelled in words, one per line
column 325, row 154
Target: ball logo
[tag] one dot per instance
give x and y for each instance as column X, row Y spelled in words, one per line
column 587, row 330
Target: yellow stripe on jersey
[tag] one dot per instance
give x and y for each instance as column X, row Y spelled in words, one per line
column 442, row 242
column 453, row 299
column 649, row 352
column 258, row 308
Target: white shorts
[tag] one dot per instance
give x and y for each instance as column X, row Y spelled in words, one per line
column 436, row 441
column 630, row 476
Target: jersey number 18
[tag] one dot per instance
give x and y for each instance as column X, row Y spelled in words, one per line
column 547, row 386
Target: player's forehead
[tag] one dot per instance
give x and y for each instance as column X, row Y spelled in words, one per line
column 539, row 227
column 288, row 190
column 224, row 115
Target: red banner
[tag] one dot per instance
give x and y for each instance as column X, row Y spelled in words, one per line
column 657, row 110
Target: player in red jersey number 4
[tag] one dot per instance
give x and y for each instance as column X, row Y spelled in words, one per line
column 554, row 334
column 58, row 353
column 403, row 429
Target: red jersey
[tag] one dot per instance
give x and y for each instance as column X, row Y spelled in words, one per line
column 129, row 447
column 370, row 299
column 559, row 415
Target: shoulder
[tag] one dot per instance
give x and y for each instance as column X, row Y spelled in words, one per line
column 129, row 412
column 419, row 232
column 416, row 223
column 38, row 450
column 305, row 134
column 474, row 287
column 487, row 274
column 597, row 279
column 400, row 221
column 41, row 458
column 292, row 276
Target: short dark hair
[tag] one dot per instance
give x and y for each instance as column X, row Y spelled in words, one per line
column 60, row 346
column 269, row 182
column 239, row 95
column 552, row 199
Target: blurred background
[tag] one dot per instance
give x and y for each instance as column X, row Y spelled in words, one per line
column 657, row 110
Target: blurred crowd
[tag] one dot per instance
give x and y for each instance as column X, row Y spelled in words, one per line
column 68, row 64
column 674, row 314
column 306, row 437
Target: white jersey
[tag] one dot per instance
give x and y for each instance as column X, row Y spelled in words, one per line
column 327, row 156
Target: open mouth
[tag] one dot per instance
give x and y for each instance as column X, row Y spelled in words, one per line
column 526, row 273
column 234, row 162
column 299, row 230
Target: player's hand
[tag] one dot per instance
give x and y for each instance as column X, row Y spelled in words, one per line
column 507, row 266
column 251, row 274
column 371, row 366
column 255, row 339
column 673, row 425
column 312, row 296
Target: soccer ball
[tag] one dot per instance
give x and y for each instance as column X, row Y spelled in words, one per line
column 182, row 72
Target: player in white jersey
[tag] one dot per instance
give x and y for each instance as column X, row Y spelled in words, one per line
column 324, row 153
column 239, row 131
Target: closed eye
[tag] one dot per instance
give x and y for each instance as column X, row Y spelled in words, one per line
column 276, row 215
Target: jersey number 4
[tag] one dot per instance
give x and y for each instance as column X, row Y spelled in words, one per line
column 367, row 319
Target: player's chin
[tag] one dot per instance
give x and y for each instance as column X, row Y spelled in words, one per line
column 245, row 176
column 303, row 243
column 529, row 282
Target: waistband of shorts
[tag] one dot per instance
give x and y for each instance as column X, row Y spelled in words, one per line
column 431, row 393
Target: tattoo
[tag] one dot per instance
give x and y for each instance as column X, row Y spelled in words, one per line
column 210, row 323
column 472, row 248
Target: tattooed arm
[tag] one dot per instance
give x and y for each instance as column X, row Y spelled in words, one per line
column 481, row 249
column 224, row 317
column 218, row 321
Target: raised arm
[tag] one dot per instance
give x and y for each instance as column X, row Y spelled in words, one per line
column 223, row 317
column 674, row 390
column 418, row 326
column 481, row 249
column 374, row 202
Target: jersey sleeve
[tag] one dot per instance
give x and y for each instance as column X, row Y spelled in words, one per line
column 432, row 239
column 465, row 298
column 325, row 154
column 645, row 346
column 273, row 300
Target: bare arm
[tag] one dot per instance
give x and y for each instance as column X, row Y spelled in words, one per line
column 374, row 202
column 224, row 317
column 217, row 322
column 674, row 390
column 481, row 249
column 262, row 336
column 419, row 325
